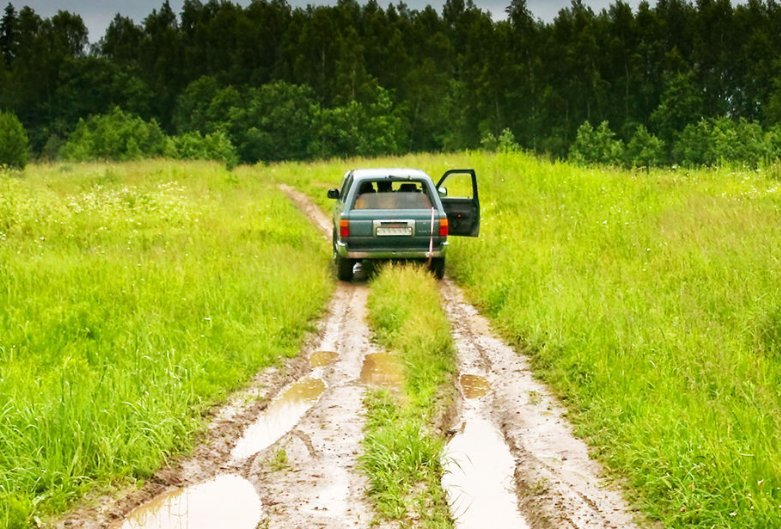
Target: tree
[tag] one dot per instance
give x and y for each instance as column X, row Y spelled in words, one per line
column 122, row 42
column 596, row 146
column 94, row 85
column 274, row 122
column 680, row 105
column 14, row 143
column 644, row 149
column 9, row 35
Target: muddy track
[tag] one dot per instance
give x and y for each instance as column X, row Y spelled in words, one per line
column 283, row 453
column 556, row 484
column 319, row 485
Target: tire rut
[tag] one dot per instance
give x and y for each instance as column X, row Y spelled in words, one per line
column 558, row 484
column 319, row 485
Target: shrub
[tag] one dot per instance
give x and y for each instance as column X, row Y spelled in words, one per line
column 117, row 135
column 274, row 122
column 596, row 146
column 718, row 141
column 360, row 129
column 644, row 149
column 13, row 141
column 504, row 143
column 193, row 146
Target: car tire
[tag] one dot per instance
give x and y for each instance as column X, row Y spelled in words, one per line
column 344, row 268
column 437, row 267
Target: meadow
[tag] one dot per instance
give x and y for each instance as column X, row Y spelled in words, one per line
column 650, row 302
column 134, row 297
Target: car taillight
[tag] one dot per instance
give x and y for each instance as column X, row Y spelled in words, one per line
column 344, row 228
column 443, row 227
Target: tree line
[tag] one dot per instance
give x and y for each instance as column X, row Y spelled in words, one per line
column 277, row 82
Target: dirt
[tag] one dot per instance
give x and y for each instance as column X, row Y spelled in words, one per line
column 287, row 447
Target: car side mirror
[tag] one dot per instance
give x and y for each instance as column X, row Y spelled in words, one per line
column 442, row 191
column 333, row 193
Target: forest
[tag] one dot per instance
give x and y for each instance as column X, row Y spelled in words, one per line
column 672, row 82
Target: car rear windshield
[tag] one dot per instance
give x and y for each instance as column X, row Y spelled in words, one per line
column 387, row 194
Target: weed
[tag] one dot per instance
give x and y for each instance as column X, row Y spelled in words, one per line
column 280, row 461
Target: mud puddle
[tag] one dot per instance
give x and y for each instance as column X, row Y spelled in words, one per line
column 478, row 465
column 474, row 386
column 228, row 501
column 382, row 370
column 279, row 418
column 478, row 477
column 322, row 358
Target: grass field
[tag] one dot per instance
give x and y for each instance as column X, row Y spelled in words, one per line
column 133, row 297
column 651, row 303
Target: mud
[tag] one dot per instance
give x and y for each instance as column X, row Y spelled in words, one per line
column 474, row 386
column 228, row 501
column 320, row 485
column 383, row 370
column 279, row 418
column 308, row 208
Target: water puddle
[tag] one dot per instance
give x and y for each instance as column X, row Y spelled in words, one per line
column 322, row 358
column 474, row 386
column 384, row 370
column 227, row 501
column 280, row 417
column 478, row 478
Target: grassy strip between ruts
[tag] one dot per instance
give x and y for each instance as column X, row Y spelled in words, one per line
column 133, row 297
column 401, row 449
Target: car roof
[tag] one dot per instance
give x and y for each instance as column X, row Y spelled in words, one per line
column 383, row 172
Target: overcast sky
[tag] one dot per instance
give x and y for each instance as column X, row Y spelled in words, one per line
column 97, row 14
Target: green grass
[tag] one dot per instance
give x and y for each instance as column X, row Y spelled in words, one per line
column 401, row 450
column 651, row 303
column 132, row 298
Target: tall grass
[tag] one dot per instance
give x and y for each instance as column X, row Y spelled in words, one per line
column 133, row 297
column 401, row 448
column 651, row 303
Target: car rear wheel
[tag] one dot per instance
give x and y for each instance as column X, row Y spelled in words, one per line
column 437, row 267
column 344, row 268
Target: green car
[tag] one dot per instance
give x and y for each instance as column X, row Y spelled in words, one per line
column 400, row 214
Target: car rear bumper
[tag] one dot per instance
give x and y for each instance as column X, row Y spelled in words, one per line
column 384, row 253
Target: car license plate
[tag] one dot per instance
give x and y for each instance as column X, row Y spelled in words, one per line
column 397, row 229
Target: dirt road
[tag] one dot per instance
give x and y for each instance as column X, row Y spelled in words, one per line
column 283, row 453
